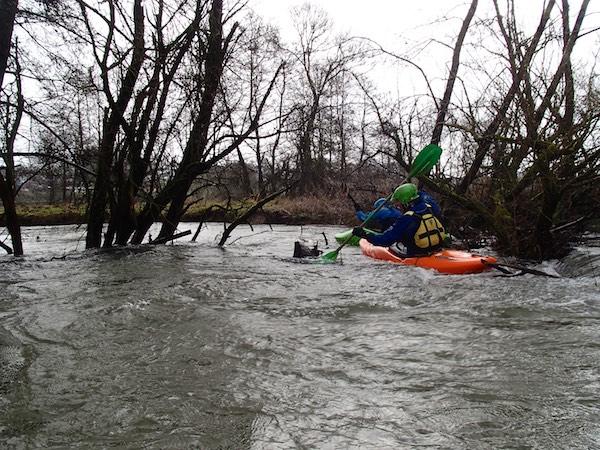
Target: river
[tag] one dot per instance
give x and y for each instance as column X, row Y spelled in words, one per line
column 193, row 346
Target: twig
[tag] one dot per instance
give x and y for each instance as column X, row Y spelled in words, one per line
column 567, row 225
column 249, row 235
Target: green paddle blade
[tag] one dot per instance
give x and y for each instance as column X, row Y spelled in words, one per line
column 330, row 256
column 425, row 160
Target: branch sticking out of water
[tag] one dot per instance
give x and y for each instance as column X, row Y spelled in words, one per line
column 502, row 267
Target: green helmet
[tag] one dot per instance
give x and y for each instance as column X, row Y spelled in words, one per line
column 406, row 193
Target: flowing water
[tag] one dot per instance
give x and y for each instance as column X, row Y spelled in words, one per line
column 192, row 346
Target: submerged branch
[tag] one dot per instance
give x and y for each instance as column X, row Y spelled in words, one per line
column 164, row 240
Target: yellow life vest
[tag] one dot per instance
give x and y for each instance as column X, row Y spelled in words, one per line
column 431, row 232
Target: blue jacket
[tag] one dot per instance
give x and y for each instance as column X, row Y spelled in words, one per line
column 404, row 228
column 382, row 220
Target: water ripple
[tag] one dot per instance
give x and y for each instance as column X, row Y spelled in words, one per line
column 191, row 346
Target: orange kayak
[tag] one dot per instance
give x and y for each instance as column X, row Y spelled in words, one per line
column 444, row 261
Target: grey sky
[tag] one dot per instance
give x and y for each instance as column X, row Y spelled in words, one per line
column 402, row 26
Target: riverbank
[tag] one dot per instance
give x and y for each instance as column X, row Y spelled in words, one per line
column 282, row 211
column 298, row 211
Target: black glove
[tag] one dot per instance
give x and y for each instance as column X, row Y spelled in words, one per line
column 360, row 232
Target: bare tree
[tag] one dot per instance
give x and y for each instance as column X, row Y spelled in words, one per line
column 533, row 142
column 138, row 152
column 320, row 59
column 518, row 74
column 8, row 11
column 113, row 119
column 198, row 155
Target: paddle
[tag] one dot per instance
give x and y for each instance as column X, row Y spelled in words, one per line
column 425, row 160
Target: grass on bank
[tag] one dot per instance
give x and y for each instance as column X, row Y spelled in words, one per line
column 283, row 210
column 48, row 214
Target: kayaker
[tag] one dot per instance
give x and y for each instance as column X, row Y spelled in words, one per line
column 419, row 229
column 382, row 219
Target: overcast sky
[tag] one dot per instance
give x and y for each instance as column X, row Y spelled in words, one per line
column 383, row 19
column 402, row 26
column 377, row 19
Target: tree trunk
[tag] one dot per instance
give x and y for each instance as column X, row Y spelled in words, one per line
column 551, row 195
column 7, row 183
column 246, row 185
column 199, row 135
column 441, row 116
column 195, row 161
column 8, row 11
column 97, row 209
column 307, row 163
column 176, row 190
column 259, row 165
column 7, row 195
column 148, row 130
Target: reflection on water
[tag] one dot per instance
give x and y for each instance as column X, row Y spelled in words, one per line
column 192, row 346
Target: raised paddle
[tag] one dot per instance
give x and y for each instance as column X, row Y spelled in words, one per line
column 425, row 160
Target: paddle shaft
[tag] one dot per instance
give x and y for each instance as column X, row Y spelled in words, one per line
column 371, row 214
column 423, row 163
